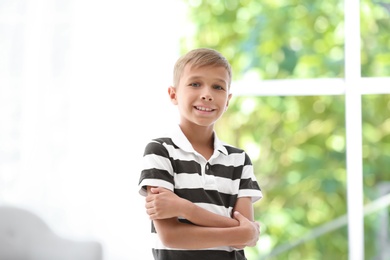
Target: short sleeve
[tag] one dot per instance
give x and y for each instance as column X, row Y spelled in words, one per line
column 249, row 186
column 156, row 168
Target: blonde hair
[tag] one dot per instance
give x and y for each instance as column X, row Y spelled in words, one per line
column 199, row 58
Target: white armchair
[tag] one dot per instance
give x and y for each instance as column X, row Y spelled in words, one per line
column 25, row 236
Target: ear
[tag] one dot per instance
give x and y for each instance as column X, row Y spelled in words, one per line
column 227, row 102
column 172, row 95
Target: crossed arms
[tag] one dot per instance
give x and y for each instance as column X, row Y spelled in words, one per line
column 210, row 229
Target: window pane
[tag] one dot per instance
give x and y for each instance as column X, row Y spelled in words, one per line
column 271, row 39
column 376, row 173
column 297, row 147
column 375, row 27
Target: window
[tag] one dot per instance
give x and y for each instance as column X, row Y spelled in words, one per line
column 264, row 45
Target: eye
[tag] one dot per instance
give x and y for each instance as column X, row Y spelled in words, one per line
column 218, row 87
column 194, row 84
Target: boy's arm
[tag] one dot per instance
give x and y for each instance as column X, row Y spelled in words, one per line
column 244, row 206
column 175, row 234
column 162, row 203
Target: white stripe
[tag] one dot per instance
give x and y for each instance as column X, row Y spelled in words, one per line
column 227, row 186
column 154, row 182
column 179, row 154
column 188, row 181
column 220, row 210
column 152, row 161
column 235, row 159
column 255, row 194
column 247, row 172
column 195, row 181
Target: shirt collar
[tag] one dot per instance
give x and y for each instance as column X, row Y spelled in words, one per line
column 181, row 141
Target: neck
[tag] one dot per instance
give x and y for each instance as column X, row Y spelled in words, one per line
column 201, row 138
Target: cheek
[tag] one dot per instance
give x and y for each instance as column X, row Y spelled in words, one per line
column 223, row 101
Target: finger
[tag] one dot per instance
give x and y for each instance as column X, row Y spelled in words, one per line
column 238, row 216
column 149, row 205
column 153, row 215
column 150, row 212
column 155, row 190
column 149, row 198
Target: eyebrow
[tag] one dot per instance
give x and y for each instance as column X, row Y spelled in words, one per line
column 214, row 79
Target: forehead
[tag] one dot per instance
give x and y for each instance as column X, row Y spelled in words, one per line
column 209, row 72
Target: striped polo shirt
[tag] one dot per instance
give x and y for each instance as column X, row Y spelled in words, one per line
column 215, row 184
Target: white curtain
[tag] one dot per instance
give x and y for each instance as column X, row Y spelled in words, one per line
column 83, row 84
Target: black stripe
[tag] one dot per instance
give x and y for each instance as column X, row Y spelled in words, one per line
column 247, row 160
column 231, row 149
column 180, row 166
column 249, row 184
column 156, row 174
column 229, row 172
column 207, row 196
column 166, row 140
column 156, row 148
column 163, row 254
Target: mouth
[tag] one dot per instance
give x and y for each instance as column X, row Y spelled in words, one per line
column 204, row 109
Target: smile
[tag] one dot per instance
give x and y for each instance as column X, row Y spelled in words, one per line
column 204, row 109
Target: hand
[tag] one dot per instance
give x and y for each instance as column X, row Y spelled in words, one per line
column 251, row 230
column 162, row 204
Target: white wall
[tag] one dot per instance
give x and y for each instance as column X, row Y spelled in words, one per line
column 83, row 85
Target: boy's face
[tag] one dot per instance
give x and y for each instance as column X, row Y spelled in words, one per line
column 202, row 95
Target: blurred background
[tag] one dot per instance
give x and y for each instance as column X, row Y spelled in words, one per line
column 83, row 87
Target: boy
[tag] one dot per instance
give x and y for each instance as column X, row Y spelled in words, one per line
column 199, row 191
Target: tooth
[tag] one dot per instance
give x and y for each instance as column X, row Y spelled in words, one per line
column 204, row 109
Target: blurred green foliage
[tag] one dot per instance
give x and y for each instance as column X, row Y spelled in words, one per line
column 297, row 146
column 289, row 39
column 375, row 38
column 297, row 143
column 376, row 164
column 275, row 39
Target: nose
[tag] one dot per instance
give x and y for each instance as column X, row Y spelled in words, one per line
column 206, row 97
